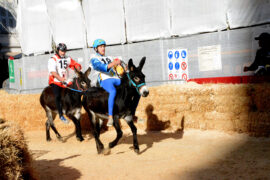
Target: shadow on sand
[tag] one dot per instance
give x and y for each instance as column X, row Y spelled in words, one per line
column 52, row 169
column 153, row 131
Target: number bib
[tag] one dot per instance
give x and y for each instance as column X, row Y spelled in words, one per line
column 62, row 65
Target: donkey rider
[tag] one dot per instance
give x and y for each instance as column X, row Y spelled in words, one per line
column 107, row 77
column 59, row 75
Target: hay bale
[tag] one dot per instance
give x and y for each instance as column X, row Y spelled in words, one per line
column 237, row 107
column 15, row 160
column 259, row 123
column 260, row 95
column 201, row 103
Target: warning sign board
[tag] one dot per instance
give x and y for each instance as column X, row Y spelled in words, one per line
column 177, row 64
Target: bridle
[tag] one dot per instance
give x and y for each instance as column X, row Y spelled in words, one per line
column 80, row 90
column 131, row 82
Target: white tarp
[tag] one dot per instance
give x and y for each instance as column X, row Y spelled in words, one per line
column 67, row 22
column 105, row 20
column 195, row 16
column 243, row 13
column 209, row 58
column 33, row 27
column 147, row 19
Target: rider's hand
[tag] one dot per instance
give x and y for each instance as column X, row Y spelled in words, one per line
column 64, row 83
column 62, row 79
column 116, row 61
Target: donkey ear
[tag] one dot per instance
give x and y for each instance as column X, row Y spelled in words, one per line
column 87, row 72
column 130, row 65
column 77, row 72
column 142, row 63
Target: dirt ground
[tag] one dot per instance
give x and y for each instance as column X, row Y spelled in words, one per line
column 191, row 154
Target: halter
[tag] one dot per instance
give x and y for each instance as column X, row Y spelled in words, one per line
column 131, row 82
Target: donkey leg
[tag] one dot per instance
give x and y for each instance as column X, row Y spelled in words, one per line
column 75, row 116
column 77, row 127
column 134, row 132
column 54, row 128
column 96, row 131
column 118, row 131
column 48, row 123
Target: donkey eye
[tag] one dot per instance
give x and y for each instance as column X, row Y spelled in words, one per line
column 136, row 79
column 83, row 83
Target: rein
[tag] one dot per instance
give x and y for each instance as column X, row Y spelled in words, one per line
column 80, row 90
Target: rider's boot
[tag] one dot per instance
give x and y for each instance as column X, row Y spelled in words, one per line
column 110, row 121
column 64, row 120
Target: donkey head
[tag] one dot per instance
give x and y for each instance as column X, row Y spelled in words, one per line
column 82, row 81
column 137, row 78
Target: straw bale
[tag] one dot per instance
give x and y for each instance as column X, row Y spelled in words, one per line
column 201, row 103
column 183, row 107
column 230, row 100
column 228, row 107
column 259, row 123
column 261, row 97
column 231, row 89
column 15, row 160
column 192, row 119
column 176, row 120
column 217, row 116
column 26, row 111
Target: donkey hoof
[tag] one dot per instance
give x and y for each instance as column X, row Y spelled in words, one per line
column 111, row 145
column 80, row 139
column 106, row 151
column 60, row 139
column 137, row 151
column 49, row 139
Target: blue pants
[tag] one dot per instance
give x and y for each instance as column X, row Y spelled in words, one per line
column 109, row 86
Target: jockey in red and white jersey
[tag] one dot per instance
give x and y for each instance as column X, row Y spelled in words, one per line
column 58, row 67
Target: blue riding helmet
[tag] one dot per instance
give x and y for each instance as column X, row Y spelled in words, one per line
column 98, row 42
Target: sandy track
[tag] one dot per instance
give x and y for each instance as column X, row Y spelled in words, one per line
column 192, row 155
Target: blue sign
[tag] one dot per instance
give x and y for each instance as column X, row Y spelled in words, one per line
column 170, row 54
column 170, row 65
column 176, row 54
column 177, row 65
column 184, row 54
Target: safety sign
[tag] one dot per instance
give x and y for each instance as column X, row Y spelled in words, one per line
column 184, row 65
column 177, row 64
column 184, row 54
column 170, row 54
column 176, row 54
column 184, row 76
column 170, row 76
column 170, row 66
column 11, row 70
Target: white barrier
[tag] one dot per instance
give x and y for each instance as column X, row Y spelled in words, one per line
column 243, row 13
column 147, row 20
column 67, row 22
column 33, row 27
column 195, row 16
column 105, row 19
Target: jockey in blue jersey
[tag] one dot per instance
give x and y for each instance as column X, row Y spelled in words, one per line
column 107, row 77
